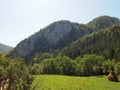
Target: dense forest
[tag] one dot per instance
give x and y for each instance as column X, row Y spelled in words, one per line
column 94, row 54
column 104, row 42
column 89, row 64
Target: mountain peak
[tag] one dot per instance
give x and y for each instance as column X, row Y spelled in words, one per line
column 57, row 30
column 103, row 22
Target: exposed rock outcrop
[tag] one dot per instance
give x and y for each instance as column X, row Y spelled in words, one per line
column 48, row 36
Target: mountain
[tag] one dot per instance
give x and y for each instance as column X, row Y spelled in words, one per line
column 105, row 43
column 57, row 36
column 4, row 48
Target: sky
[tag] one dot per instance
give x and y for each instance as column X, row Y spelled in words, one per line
column 21, row 18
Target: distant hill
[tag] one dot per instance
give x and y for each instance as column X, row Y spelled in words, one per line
column 59, row 35
column 4, row 48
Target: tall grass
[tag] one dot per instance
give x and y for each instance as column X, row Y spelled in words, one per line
column 59, row 82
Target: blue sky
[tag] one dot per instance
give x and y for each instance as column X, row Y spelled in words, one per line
column 21, row 18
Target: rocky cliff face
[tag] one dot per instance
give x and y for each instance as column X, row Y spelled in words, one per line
column 58, row 35
column 40, row 40
column 57, row 31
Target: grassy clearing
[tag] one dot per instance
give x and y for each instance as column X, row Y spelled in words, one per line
column 59, row 82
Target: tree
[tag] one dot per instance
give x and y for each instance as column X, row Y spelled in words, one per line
column 18, row 74
column 117, row 68
column 89, row 65
column 108, row 66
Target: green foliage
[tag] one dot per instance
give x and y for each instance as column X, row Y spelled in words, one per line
column 35, row 69
column 89, row 64
column 39, row 57
column 117, row 68
column 105, row 43
column 16, row 71
column 108, row 66
column 58, row 82
column 58, row 65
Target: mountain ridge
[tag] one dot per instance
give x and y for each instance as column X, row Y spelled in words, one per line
column 57, row 36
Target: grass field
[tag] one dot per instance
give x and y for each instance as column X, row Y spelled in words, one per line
column 59, row 82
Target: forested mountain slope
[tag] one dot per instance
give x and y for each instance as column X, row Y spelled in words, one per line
column 105, row 42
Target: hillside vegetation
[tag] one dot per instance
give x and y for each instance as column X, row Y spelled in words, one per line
column 95, row 54
column 58, row 82
column 105, row 43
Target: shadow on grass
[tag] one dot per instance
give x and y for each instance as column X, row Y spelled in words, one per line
column 100, row 76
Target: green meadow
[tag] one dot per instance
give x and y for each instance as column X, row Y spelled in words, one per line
column 60, row 82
